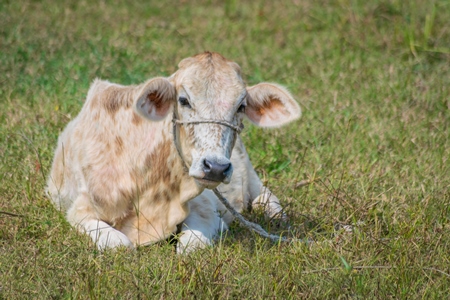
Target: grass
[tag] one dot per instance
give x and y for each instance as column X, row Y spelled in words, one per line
column 373, row 80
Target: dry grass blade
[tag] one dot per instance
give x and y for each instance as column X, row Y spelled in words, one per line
column 303, row 183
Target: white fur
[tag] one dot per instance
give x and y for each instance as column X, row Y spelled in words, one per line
column 104, row 236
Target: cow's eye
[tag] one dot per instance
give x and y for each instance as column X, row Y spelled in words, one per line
column 184, row 102
column 241, row 108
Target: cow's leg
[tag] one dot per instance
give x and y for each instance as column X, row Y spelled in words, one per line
column 202, row 225
column 248, row 187
column 82, row 215
column 264, row 198
column 270, row 203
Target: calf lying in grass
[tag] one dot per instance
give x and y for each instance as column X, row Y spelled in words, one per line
column 138, row 160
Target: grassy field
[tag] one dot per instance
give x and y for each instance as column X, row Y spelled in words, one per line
column 373, row 80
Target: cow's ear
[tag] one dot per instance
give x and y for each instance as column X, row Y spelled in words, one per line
column 155, row 98
column 271, row 105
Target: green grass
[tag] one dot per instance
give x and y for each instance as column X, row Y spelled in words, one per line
column 373, row 79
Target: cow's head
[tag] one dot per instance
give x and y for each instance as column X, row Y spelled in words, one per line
column 209, row 87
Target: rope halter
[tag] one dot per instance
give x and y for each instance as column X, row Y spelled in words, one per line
column 175, row 121
column 238, row 129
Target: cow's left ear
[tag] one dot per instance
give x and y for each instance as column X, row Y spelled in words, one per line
column 271, row 105
column 155, row 98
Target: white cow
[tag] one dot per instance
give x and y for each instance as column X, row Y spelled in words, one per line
column 138, row 160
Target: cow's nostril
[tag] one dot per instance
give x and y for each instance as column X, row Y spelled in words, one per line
column 207, row 165
column 215, row 171
column 228, row 166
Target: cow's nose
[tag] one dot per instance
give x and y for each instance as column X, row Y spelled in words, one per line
column 215, row 171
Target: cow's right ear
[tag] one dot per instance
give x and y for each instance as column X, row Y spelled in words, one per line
column 155, row 98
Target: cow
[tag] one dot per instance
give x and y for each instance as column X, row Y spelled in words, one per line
column 138, row 162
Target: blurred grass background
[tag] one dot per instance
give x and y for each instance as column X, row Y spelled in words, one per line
column 372, row 78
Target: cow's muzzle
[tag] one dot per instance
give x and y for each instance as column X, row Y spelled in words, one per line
column 212, row 171
column 216, row 171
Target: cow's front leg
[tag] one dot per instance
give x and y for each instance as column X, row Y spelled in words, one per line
column 105, row 236
column 262, row 197
column 270, row 204
column 82, row 215
column 202, row 225
column 246, row 189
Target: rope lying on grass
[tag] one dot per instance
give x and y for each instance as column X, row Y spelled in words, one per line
column 250, row 225
column 10, row 214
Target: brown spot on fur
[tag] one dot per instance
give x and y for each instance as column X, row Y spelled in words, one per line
column 166, row 196
column 111, row 104
column 165, row 175
column 177, row 178
column 162, row 196
column 119, row 145
column 174, row 185
column 157, row 162
column 115, row 98
column 157, row 197
column 136, row 120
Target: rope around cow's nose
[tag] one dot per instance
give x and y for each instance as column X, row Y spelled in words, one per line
column 238, row 129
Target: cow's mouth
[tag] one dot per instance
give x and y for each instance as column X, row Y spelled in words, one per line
column 209, row 174
column 209, row 184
